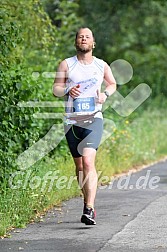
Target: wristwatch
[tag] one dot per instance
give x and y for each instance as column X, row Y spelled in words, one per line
column 67, row 90
column 106, row 93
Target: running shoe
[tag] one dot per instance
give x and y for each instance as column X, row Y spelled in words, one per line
column 84, row 209
column 88, row 216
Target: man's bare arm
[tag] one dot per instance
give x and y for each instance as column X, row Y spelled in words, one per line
column 60, row 79
column 59, row 88
column 110, row 84
column 109, row 80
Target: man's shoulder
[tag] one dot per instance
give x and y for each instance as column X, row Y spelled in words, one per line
column 71, row 61
column 99, row 62
column 66, row 64
column 73, row 58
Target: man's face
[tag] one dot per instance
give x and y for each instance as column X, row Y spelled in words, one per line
column 84, row 41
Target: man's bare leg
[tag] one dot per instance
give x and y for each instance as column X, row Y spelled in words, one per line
column 90, row 175
column 87, row 175
column 79, row 173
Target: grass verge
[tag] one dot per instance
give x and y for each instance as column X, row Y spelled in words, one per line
column 134, row 142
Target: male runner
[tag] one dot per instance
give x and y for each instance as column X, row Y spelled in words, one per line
column 79, row 79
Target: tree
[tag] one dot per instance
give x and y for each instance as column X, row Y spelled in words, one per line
column 134, row 31
column 64, row 16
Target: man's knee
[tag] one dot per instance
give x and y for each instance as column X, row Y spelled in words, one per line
column 88, row 164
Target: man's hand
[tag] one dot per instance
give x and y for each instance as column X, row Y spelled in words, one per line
column 75, row 92
column 101, row 97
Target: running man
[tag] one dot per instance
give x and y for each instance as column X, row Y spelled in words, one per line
column 79, row 79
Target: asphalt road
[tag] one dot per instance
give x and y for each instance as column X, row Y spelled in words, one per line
column 131, row 217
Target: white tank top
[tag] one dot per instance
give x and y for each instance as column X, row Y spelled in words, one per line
column 90, row 78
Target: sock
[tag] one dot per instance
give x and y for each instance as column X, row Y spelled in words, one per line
column 90, row 206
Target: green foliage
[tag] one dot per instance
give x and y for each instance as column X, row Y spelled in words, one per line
column 64, row 15
column 18, row 129
column 33, row 27
column 135, row 141
column 9, row 39
column 135, row 31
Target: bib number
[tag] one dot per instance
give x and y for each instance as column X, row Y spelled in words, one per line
column 84, row 104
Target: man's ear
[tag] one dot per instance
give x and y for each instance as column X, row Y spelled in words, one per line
column 94, row 43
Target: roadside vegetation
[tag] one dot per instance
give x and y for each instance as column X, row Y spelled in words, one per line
column 34, row 46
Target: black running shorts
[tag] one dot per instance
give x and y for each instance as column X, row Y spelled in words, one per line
column 87, row 135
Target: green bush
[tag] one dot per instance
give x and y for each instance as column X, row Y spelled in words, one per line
column 17, row 129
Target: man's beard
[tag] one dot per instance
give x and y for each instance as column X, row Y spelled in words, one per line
column 83, row 49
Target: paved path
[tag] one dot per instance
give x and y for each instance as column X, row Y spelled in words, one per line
column 131, row 217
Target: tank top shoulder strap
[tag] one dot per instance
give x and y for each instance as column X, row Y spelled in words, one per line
column 99, row 63
column 71, row 62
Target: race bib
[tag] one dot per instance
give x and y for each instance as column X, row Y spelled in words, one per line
column 84, row 104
